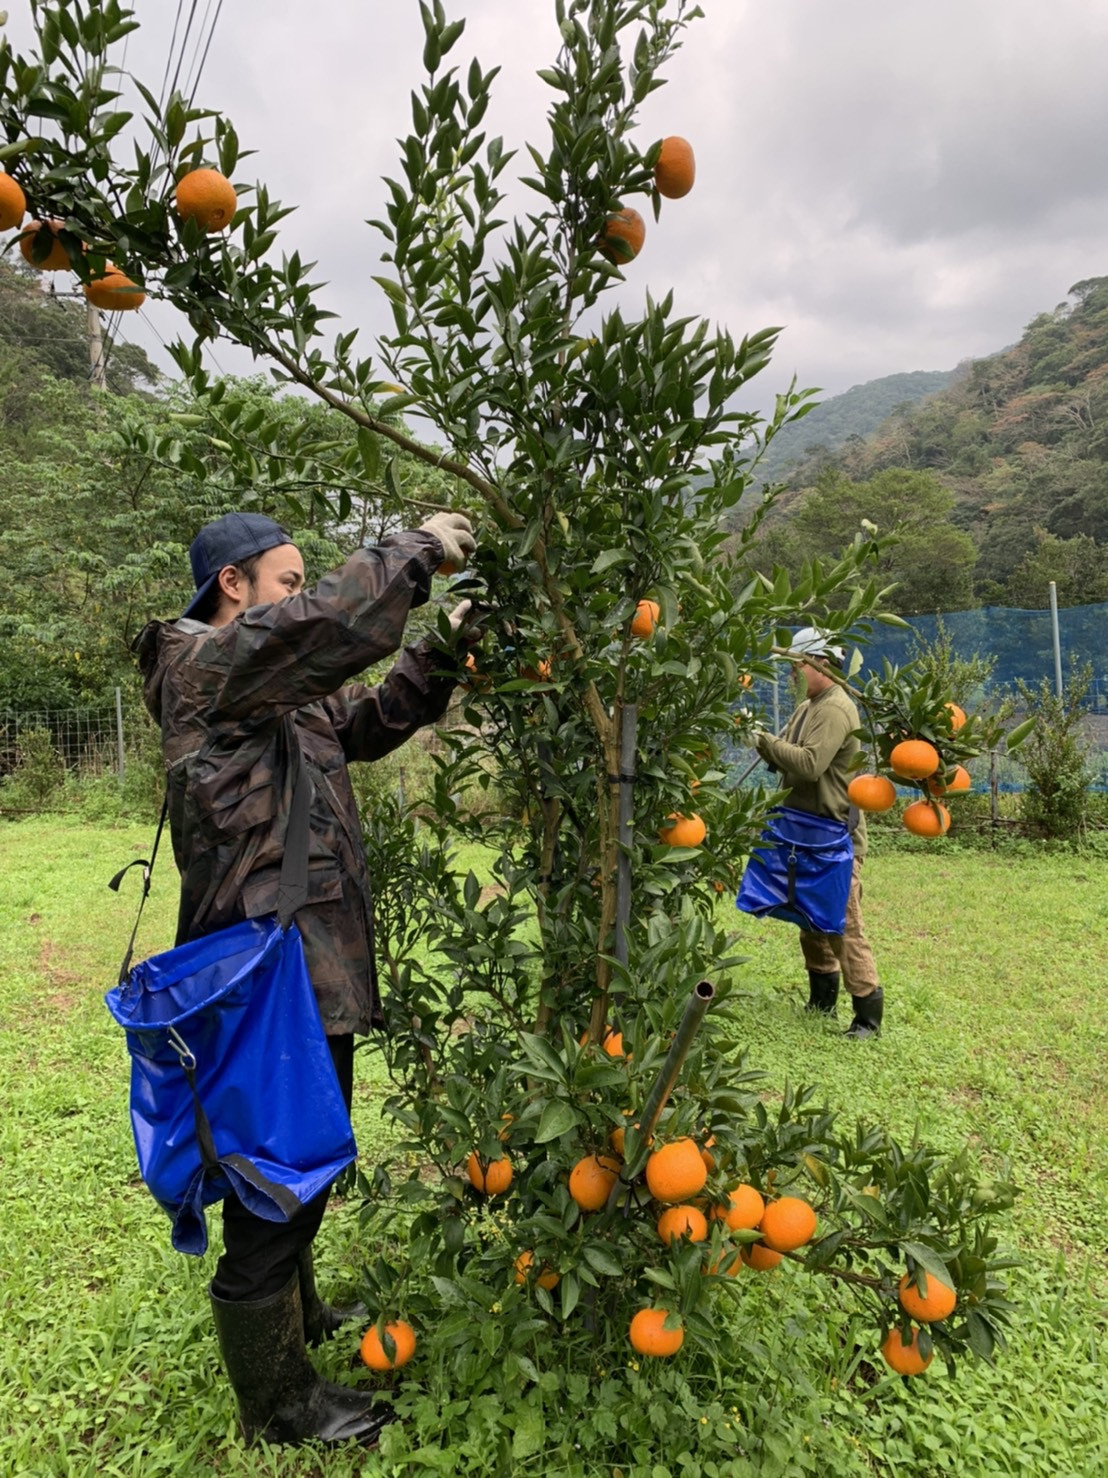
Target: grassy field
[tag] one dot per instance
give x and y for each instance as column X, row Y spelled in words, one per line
column 997, row 1026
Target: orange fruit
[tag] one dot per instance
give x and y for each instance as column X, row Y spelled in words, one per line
column 676, row 1172
column 746, row 680
column 491, row 1177
column 649, row 1338
column 539, row 674
column 958, row 784
column 675, row 171
column 57, row 258
column 926, row 819
column 760, row 1258
column 787, row 1224
column 743, row 1211
column 937, row 1302
column 915, row 759
column 208, row 198
column 645, row 618
column 13, row 202
column 683, row 1221
column 905, row 1359
column 957, row 716
column 616, row 1138
column 623, row 236
column 480, row 681
column 373, row 1346
column 547, row 1278
column 872, row 793
column 729, row 1264
column 706, row 1154
column 591, row 1181
column 114, row 292
column 718, row 886
column 613, row 1045
column 686, row 831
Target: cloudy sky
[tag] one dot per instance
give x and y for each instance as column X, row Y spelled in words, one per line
column 899, row 185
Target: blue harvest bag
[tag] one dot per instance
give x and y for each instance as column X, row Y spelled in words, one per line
column 800, row 872
column 233, row 1088
column 232, row 1084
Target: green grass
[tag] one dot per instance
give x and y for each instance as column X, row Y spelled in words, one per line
column 997, row 1018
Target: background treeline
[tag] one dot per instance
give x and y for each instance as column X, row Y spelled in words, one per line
column 102, row 493
column 997, row 484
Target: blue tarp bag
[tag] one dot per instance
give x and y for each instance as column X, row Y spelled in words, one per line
column 800, row 872
column 233, row 1089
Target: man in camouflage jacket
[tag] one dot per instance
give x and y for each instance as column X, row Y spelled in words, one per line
column 256, row 669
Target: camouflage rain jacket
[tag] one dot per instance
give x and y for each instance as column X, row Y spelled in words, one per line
column 232, row 701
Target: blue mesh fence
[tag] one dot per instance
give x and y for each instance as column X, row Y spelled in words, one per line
column 1021, row 644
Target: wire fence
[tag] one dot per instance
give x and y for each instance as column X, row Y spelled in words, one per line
column 87, row 741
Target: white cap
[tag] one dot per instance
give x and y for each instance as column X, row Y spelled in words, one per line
column 810, row 642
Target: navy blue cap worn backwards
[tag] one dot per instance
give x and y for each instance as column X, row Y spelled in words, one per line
column 228, row 541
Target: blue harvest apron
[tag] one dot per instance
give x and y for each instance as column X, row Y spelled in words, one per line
column 227, row 1054
column 800, row 872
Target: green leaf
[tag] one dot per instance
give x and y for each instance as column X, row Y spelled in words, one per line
column 392, row 290
column 557, row 1119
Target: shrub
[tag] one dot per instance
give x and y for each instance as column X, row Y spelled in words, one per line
column 1055, row 755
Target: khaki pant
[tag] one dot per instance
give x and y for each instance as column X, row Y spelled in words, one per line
column 849, row 951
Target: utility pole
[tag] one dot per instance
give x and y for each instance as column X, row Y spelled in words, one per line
column 97, row 376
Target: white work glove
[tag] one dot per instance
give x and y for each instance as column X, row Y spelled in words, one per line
column 455, row 533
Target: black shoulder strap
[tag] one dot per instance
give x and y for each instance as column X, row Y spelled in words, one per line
column 292, row 891
column 147, row 868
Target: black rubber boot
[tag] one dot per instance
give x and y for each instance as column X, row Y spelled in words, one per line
column 868, row 1011
column 280, row 1395
column 823, row 992
column 322, row 1321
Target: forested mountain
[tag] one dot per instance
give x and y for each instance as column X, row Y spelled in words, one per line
column 856, row 413
column 999, row 483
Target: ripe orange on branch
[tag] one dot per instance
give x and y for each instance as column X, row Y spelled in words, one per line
column 115, row 292
column 958, row 784
column 13, row 202
column 675, row 171
column 743, row 1211
column 648, row 1337
column 645, row 618
column 676, row 1172
column 905, row 1359
column 208, row 198
column 547, row 1278
column 591, row 1181
column 686, row 831
column 491, row 1177
column 872, row 793
column 915, row 759
column 56, row 259
column 373, row 1346
column 623, row 236
column 683, row 1221
column 759, row 1257
column 938, row 1302
column 957, row 716
column 926, row 819
column 787, row 1223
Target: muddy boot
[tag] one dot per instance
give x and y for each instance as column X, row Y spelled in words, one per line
column 321, row 1320
column 868, row 1011
column 280, row 1395
column 823, row 992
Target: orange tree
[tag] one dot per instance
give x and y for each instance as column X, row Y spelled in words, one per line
column 533, row 1018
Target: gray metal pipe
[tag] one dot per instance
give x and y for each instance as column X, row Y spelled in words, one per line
column 698, row 1003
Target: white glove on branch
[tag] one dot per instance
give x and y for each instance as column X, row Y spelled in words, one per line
column 455, row 533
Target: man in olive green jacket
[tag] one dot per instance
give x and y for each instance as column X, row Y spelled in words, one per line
column 813, row 757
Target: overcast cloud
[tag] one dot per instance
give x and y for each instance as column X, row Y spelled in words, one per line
column 899, row 185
